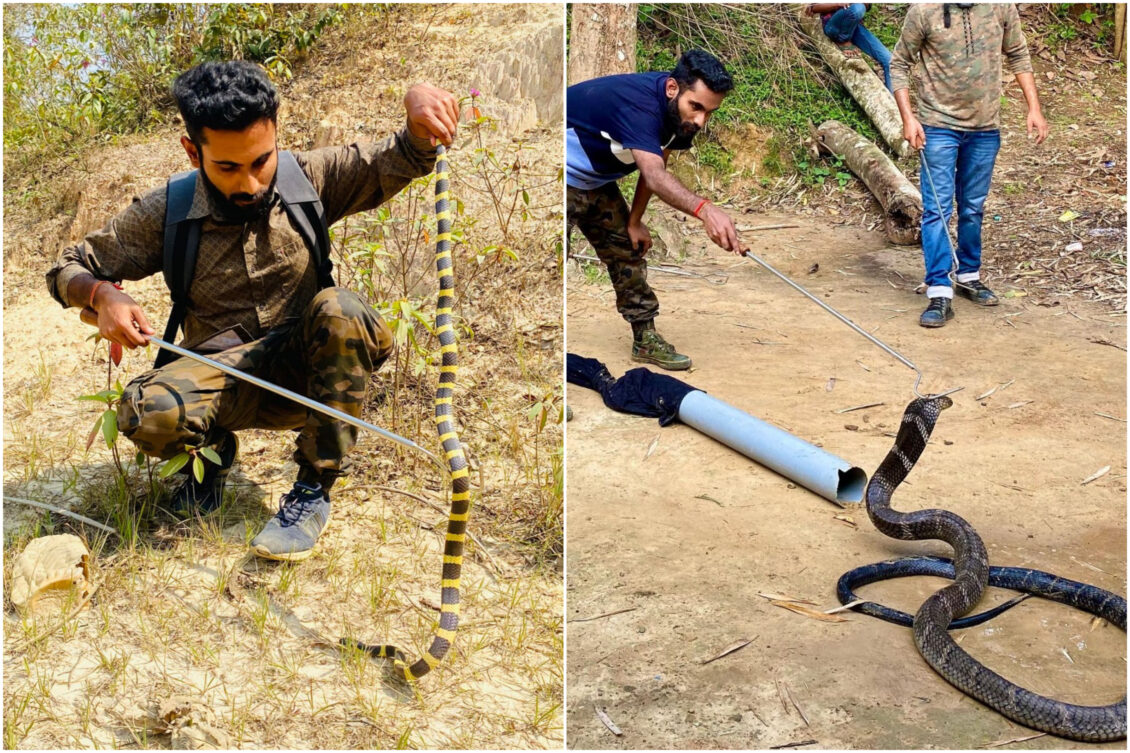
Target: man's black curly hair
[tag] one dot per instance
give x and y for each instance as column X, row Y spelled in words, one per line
column 226, row 96
column 697, row 65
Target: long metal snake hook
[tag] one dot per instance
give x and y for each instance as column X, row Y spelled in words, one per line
column 300, row 399
column 887, row 348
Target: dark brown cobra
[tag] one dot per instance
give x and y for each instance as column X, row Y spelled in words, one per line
column 971, row 566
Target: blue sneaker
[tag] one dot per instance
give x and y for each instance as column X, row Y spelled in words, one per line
column 976, row 291
column 293, row 532
column 937, row 313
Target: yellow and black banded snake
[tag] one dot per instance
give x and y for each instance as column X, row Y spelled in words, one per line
column 452, row 450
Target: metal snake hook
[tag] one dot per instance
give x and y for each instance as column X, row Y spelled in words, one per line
column 300, row 399
column 889, row 350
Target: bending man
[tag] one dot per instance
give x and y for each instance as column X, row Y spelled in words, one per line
column 615, row 125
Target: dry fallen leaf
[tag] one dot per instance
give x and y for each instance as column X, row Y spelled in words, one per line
column 740, row 643
column 782, row 597
column 845, row 518
column 1096, row 475
column 814, row 614
column 607, row 721
column 651, row 447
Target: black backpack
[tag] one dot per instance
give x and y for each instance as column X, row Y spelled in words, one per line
column 182, row 235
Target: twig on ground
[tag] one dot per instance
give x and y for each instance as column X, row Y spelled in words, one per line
column 859, row 407
column 602, row 616
column 61, row 511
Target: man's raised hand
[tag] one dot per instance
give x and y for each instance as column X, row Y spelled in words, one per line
column 432, row 113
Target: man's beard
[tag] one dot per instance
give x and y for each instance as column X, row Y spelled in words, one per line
column 683, row 128
column 229, row 210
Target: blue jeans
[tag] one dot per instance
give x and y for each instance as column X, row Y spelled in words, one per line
column 846, row 25
column 960, row 167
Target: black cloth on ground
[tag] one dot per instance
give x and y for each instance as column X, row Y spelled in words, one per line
column 640, row 392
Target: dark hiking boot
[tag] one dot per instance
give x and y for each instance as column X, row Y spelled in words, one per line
column 937, row 313
column 291, row 535
column 650, row 347
column 205, row 496
column 978, row 293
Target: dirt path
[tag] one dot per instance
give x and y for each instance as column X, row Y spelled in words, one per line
column 643, row 538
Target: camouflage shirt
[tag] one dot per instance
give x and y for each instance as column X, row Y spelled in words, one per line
column 251, row 276
column 959, row 84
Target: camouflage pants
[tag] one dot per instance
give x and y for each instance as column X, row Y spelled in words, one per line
column 602, row 217
column 327, row 355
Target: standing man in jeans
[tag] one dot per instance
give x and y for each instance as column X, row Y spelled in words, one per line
column 960, row 47
column 843, row 24
column 614, row 125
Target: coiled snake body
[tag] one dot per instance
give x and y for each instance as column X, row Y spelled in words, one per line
column 971, row 573
column 453, row 451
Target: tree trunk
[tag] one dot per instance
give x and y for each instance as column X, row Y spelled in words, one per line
column 901, row 201
column 862, row 83
column 1120, row 31
column 602, row 41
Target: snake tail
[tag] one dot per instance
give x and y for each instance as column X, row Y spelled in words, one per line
column 444, row 633
column 971, row 573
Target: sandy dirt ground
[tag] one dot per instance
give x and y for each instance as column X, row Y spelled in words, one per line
column 685, row 540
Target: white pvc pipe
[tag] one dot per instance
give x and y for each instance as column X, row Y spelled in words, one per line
column 825, row 474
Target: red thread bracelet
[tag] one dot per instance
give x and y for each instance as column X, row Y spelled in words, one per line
column 94, row 291
column 698, row 209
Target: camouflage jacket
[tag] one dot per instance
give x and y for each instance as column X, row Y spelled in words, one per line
column 250, row 277
column 959, row 82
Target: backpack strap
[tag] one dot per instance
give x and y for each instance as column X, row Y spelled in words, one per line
column 304, row 207
column 181, row 242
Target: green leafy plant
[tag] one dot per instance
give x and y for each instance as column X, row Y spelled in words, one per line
column 80, row 72
column 194, row 455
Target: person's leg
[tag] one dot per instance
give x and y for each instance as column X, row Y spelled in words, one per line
column 975, row 161
column 187, row 404
column 870, row 45
column 937, row 178
column 328, row 356
column 602, row 217
column 841, row 26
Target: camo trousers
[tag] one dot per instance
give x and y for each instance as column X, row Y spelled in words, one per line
column 602, row 217
column 328, row 355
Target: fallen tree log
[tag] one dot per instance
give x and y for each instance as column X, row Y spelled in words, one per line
column 901, row 201
column 861, row 82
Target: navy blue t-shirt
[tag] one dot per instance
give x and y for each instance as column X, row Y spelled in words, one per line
column 608, row 117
